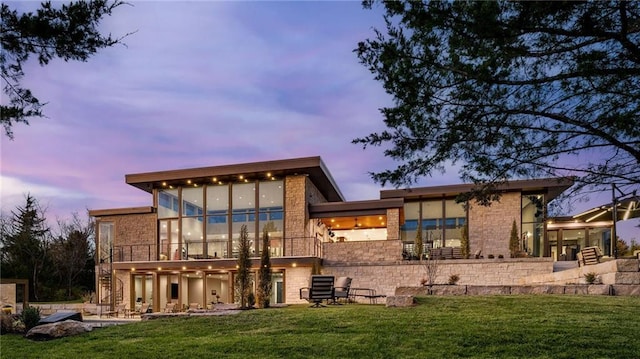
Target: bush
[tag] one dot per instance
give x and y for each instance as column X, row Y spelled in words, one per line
column 251, row 300
column 500, row 256
column 490, row 256
column 30, row 317
column 6, row 323
column 591, row 278
column 453, row 279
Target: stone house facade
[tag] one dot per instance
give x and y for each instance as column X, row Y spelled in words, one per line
column 182, row 247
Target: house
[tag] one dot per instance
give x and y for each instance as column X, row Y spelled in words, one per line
column 182, row 247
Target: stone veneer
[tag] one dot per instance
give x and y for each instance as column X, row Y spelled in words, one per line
column 619, row 271
column 299, row 192
column 365, row 252
column 490, row 226
column 386, row 277
column 393, row 224
column 135, row 229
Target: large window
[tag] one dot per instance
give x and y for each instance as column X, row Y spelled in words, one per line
column 532, row 232
column 105, row 242
column 204, row 221
column 440, row 222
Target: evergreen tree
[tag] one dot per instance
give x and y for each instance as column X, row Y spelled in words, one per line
column 514, row 240
column 464, row 241
column 263, row 293
column 25, row 242
column 243, row 276
column 418, row 245
column 69, row 33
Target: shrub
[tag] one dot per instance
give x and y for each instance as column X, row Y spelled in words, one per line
column 30, row 317
column 500, row 256
column 251, row 300
column 453, row 279
column 6, row 323
column 490, row 256
column 591, row 278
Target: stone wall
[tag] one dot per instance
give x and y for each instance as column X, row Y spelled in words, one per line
column 299, row 192
column 362, row 252
column 619, row 271
column 296, row 278
column 393, row 224
column 386, row 277
column 490, row 227
column 136, row 235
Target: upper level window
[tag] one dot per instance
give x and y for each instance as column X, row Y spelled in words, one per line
column 168, row 203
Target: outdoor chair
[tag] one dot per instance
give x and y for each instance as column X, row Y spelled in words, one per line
column 589, row 255
column 170, row 307
column 143, row 309
column 321, row 288
column 341, row 289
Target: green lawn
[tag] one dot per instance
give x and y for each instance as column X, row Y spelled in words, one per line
column 544, row 326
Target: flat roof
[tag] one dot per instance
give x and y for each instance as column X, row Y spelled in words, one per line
column 553, row 187
column 313, row 167
column 354, row 208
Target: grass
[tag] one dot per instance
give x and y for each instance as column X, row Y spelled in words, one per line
column 544, row 326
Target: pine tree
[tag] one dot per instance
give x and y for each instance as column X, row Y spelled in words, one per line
column 25, row 244
column 263, row 293
column 243, row 277
column 418, row 246
column 514, row 242
column 464, row 241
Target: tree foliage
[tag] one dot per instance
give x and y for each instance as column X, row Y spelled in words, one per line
column 514, row 240
column 263, row 293
column 418, row 245
column 25, row 243
column 509, row 89
column 59, row 266
column 243, row 276
column 72, row 252
column 69, row 33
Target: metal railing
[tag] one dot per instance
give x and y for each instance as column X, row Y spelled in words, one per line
column 291, row 247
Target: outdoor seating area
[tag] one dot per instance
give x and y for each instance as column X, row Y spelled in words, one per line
column 336, row 291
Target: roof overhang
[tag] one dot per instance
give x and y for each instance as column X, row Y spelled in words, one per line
column 120, row 211
column 551, row 187
column 625, row 209
column 313, row 167
column 354, row 208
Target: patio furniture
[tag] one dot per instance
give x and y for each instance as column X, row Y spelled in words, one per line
column 142, row 310
column 341, row 289
column 321, row 288
column 589, row 255
column 170, row 307
column 367, row 293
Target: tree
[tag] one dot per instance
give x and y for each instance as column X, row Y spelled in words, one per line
column 418, row 246
column 263, row 293
column 71, row 251
column 509, row 89
column 243, row 276
column 464, row 241
column 25, row 242
column 514, row 240
column 68, row 33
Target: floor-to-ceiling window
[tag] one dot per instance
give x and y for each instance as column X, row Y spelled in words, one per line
column 532, row 231
column 217, row 223
column 439, row 220
column 204, row 221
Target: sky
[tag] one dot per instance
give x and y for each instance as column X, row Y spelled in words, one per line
column 205, row 83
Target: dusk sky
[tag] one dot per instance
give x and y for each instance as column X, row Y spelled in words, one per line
column 204, row 83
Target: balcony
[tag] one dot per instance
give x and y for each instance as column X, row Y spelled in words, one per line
column 290, row 247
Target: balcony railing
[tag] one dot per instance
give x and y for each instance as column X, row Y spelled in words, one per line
column 290, row 247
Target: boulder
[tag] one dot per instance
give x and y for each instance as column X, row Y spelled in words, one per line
column 400, row 301
column 58, row 330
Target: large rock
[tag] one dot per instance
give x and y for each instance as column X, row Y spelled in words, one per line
column 400, row 301
column 58, row 330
